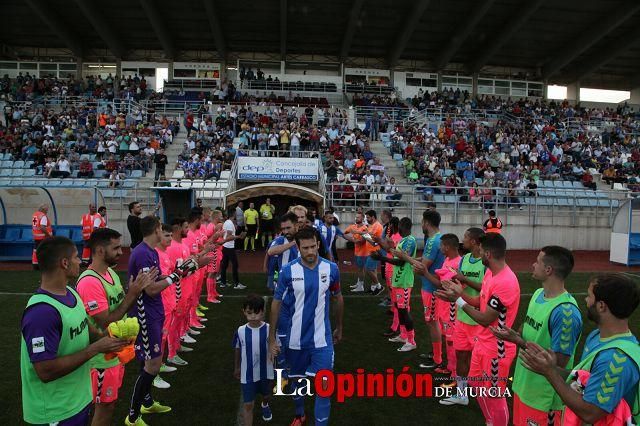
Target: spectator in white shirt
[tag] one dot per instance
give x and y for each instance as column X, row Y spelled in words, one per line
column 392, row 192
column 63, row 168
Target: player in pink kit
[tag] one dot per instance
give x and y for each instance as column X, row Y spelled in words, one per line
column 214, row 234
column 497, row 306
column 195, row 241
column 178, row 252
column 393, row 237
column 168, row 302
column 446, row 311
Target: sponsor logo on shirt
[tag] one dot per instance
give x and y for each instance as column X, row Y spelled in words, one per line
column 92, row 305
column 533, row 323
column 77, row 331
column 37, row 345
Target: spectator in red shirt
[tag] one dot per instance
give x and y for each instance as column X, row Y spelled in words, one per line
column 86, row 169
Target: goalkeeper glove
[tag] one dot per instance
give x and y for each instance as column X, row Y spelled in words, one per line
column 188, row 267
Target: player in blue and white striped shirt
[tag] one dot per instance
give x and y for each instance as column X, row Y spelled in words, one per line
column 305, row 286
column 284, row 246
column 253, row 364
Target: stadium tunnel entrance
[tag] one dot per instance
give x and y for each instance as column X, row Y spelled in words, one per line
column 282, row 195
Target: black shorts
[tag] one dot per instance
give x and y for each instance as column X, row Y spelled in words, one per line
column 252, row 230
column 267, row 226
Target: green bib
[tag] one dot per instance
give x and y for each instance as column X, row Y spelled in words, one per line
column 403, row 275
column 533, row 389
column 66, row 396
column 473, row 271
column 115, row 296
column 632, row 350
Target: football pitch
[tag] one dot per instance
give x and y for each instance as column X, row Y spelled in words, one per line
column 206, row 393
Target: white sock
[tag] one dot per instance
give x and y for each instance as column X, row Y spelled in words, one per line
column 461, row 384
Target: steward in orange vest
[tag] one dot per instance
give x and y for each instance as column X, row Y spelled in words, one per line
column 493, row 224
column 89, row 222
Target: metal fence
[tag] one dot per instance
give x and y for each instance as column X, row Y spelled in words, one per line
column 564, row 206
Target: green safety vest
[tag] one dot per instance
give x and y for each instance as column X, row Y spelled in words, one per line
column 632, row 350
column 403, row 275
column 115, row 296
column 473, row 271
column 68, row 395
column 533, row 389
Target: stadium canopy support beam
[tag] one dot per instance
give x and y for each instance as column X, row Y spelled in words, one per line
column 347, row 40
column 590, row 36
column 457, row 38
column 412, row 21
column 283, row 29
column 159, row 27
column 608, row 53
column 49, row 17
column 103, row 29
column 214, row 23
column 514, row 23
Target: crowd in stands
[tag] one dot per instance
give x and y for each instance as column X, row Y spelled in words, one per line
column 81, row 142
column 27, row 87
column 515, row 155
column 389, row 100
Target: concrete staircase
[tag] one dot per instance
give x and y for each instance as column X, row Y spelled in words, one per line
column 172, row 151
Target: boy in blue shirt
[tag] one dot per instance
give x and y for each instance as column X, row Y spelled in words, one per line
column 253, row 366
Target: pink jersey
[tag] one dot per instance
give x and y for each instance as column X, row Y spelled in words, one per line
column 166, row 268
column 93, row 295
column 502, row 293
column 444, row 273
column 191, row 242
column 178, row 252
column 210, row 229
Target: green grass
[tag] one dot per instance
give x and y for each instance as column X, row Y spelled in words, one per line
column 205, row 392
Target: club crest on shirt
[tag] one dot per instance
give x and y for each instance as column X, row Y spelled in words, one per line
column 92, row 305
column 323, row 278
column 37, row 345
column 156, row 348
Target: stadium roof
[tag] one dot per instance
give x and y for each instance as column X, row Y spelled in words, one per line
column 594, row 41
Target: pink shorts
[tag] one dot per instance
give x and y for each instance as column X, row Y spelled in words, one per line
column 523, row 415
column 443, row 310
column 388, row 273
column 106, row 383
column 464, row 336
column 429, row 304
column 483, row 367
column 401, row 297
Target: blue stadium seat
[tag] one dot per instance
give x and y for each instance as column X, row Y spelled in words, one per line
column 108, row 193
column 5, row 156
column 52, row 182
column 129, row 184
column 26, row 235
column 136, row 173
column 18, row 164
column 545, row 184
column 604, row 203
column 5, row 172
column 6, row 164
column 450, row 198
column 593, row 202
column 583, row 202
column 12, row 234
column 103, row 183
column 447, row 172
column 567, row 184
column 544, row 201
column 76, row 235
column 74, row 173
column 601, row 194
column 17, row 172
column 63, row 232
column 577, row 184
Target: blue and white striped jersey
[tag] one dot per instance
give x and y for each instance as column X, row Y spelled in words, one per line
column 306, row 293
column 255, row 363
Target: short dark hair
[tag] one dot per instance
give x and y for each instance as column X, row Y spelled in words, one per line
column 560, row 259
column 290, row 216
column 102, row 208
column 432, row 217
column 306, row 233
column 132, row 205
column 167, row 228
column 178, row 221
column 148, row 225
column 51, row 251
column 619, row 292
column 495, row 244
column 475, row 233
column 253, row 302
column 310, row 217
column 194, row 215
column 387, row 213
column 404, row 223
column 492, row 213
column 371, row 213
column 450, row 240
column 102, row 237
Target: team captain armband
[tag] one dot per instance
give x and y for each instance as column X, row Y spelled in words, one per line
column 495, row 304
